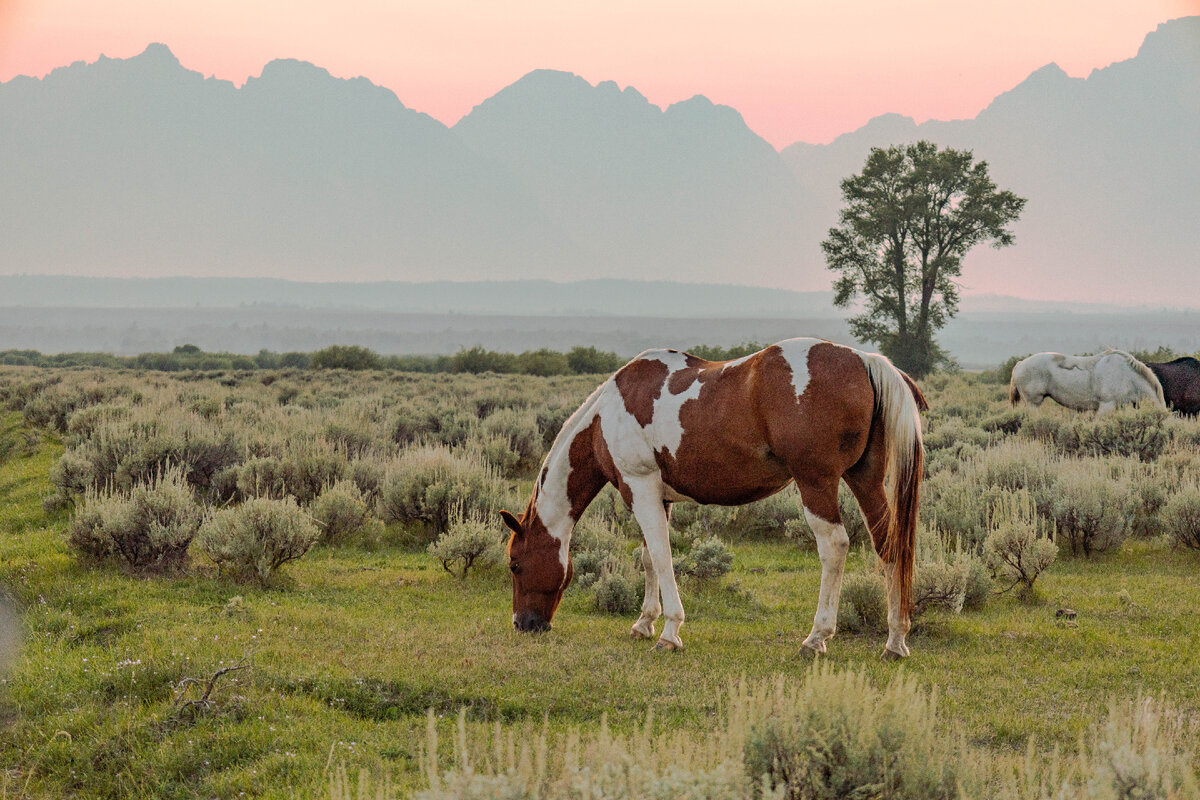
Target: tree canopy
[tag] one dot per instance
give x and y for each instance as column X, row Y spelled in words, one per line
column 909, row 218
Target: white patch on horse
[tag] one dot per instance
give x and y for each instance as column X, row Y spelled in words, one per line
column 553, row 502
column 795, row 353
column 737, row 361
column 666, row 428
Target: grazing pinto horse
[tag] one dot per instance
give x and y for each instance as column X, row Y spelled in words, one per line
column 669, row 426
column 1085, row 383
column 1180, row 381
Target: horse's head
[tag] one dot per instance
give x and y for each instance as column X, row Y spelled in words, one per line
column 538, row 574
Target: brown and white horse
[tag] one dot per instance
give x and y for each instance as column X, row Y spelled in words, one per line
column 669, row 426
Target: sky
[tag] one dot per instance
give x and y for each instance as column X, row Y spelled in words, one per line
column 796, row 70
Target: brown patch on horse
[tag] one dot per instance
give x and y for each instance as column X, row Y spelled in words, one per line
column 640, row 383
column 588, row 472
column 696, row 369
column 719, row 460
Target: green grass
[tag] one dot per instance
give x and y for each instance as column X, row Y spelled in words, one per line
column 353, row 646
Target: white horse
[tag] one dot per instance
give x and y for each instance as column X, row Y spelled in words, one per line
column 1097, row 383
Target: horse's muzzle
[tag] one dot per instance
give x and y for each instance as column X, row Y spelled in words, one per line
column 531, row 622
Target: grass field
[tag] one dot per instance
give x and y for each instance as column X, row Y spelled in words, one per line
column 347, row 651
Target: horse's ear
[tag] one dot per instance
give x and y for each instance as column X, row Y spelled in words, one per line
column 513, row 524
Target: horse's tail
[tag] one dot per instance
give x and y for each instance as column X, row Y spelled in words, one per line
column 898, row 403
column 1014, row 394
column 1146, row 373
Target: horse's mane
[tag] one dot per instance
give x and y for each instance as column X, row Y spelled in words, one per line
column 1143, row 370
column 1189, row 360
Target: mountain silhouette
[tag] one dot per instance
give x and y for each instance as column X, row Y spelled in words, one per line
column 140, row 166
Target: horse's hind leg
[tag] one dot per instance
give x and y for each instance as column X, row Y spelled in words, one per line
column 651, row 516
column 651, row 604
column 821, row 511
column 865, row 480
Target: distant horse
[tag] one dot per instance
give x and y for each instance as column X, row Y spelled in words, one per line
column 669, row 426
column 1180, row 381
column 1085, row 383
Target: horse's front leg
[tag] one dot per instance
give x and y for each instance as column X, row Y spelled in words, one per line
column 833, row 544
column 651, row 516
column 651, row 604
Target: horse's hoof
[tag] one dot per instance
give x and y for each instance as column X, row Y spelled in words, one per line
column 638, row 633
column 891, row 655
column 816, row 647
column 666, row 646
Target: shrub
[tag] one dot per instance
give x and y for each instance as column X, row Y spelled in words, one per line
column 519, row 430
column 837, row 736
column 708, row 559
column 72, row 474
column 257, row 537
column 863, row 605
column 428, row 483
column 590, row 361
column 1008, row 421
column 264, row 477
column 340, row 512
column 953, row 433
column 615, row 592
column 1181, row 517
column 1014, row 550
column 367, row 474
column 344, row 357
column 1129, row 431
column 1091, row 510
column 148, row 528
column 979, row 583
column 467, row 543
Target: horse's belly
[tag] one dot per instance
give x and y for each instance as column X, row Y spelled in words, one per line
column 722, row 475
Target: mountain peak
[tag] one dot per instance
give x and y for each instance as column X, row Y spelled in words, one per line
column 158, row 54
column 1176, row 41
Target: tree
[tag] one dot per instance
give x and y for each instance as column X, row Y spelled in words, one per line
column 910, row 217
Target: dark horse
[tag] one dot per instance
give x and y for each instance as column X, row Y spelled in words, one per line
column 1180, row 381
column 669, row 426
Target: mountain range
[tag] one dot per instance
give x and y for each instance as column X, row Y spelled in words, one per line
column 141, row 167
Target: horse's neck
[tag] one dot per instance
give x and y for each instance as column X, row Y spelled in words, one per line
column 569, row 480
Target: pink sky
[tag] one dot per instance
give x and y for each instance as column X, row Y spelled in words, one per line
column 797, row 70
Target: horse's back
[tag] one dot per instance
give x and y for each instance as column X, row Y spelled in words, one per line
column 730, row 432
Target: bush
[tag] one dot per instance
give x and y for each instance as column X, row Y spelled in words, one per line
column 344, row 357
column 590, row 361
column 340, row 511
column 616, row 591
column 148, row 528
column 257, row 537
column 837, row 736
column 1181, row 517
column 72, row 474
column 708, row 559
column 863, row 605
column 427, row 484
column 1090, row 509
column 265, row 477
column 465, row 544
column 979, row 583
column 1129, row 431
column 519, row 430
column 1015, row 552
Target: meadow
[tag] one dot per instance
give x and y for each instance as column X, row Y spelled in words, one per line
column 254, row 583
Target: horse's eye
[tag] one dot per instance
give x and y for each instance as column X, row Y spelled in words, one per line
column 515, row 567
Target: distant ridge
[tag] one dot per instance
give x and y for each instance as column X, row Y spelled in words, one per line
column 599, row 297
column 140, row 166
